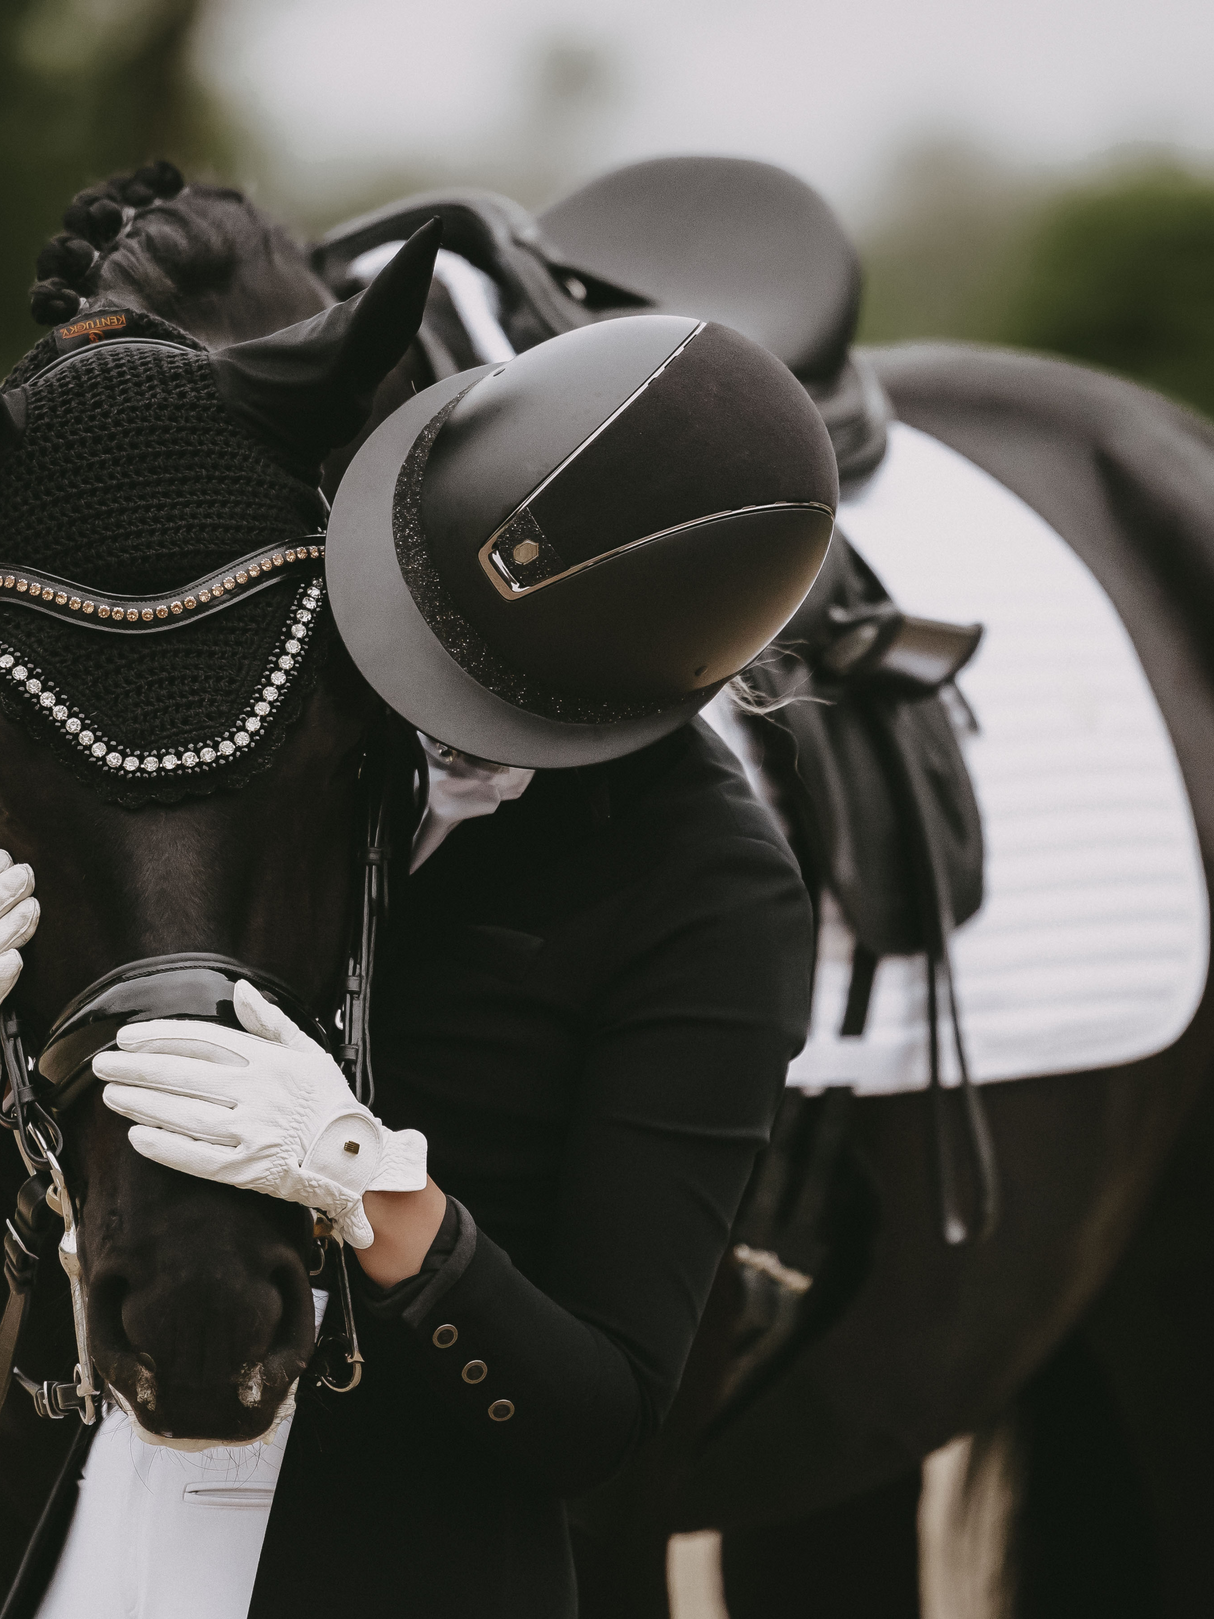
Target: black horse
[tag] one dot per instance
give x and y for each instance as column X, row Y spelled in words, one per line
column 1072, row 1339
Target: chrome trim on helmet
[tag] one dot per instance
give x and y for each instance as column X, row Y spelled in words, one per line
column 496, row 571
column 511, row 591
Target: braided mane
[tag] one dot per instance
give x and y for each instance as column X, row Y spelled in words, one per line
column 200, row 256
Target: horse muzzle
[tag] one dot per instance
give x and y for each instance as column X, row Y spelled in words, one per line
column 40, row 1096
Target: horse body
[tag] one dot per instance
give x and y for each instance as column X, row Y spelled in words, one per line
column 1068, row 1335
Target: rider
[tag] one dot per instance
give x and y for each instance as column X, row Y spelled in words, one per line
column 600, row 977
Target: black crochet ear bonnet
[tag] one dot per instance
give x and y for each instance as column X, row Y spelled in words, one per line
column 161, row 552
column 129, row 477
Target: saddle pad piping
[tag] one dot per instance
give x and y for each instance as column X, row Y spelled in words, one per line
column 144, row 615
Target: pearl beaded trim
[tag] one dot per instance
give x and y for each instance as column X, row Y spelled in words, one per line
column 194, row 758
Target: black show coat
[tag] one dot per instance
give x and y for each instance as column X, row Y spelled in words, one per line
column 587, row 1002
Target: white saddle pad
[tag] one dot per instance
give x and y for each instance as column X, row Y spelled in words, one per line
column 1092, row 945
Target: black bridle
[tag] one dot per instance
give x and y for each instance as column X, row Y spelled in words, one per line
column 38, row 1095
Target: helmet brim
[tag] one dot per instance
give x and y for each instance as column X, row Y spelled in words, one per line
column 399, row 655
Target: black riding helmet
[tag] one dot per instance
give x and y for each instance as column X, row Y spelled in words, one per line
column 557, row 560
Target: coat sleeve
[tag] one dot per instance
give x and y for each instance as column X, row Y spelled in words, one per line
column 687, row 1049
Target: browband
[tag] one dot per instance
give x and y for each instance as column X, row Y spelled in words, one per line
column 144, row 615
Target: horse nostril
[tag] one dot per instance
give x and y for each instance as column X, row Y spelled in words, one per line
column 145, row 1381
column 296, row 1335
column 107, row 1299
column 130, row 1371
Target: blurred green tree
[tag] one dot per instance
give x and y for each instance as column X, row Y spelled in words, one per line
column 947, row 250
column 1122, row 275
column 1116, row 270
column 88, row 88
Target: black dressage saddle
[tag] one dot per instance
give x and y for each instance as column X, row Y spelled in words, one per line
column 721, row 239
column 854, row 706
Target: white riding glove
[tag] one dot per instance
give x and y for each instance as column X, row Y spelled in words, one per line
column 19, row 913
column 268, row 1111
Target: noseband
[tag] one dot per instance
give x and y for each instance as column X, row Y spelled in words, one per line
column 39, row 1095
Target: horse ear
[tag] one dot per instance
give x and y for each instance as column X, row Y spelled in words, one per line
column 308, row 388
column 12, row 419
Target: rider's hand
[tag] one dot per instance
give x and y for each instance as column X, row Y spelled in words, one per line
column 268, row 1111
column 19, row 913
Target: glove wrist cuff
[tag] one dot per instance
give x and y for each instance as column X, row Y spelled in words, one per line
column 402, row 1163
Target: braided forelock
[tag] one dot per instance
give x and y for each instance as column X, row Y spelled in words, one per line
column 200, row 256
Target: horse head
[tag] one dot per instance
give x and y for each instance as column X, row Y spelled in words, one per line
column 188, row 782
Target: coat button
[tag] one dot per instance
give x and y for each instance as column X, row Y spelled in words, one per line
column 501, row 1410
column 475, row 1372
column 444, row 1336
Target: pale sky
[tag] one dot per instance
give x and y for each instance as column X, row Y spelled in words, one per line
column 833, row 91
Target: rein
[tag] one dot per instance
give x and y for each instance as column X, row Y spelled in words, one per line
column 38, row 1095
